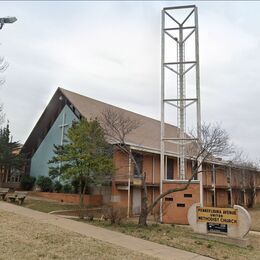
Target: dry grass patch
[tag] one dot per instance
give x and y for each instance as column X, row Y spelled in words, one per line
column 183, row 238
column 255, row 215
column 175, row 236
column 47, row 206
column 24, row 238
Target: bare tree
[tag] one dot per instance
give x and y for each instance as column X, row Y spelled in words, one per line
column 214, row 143
column 117, row 127
column 2, row 115
column 3, row 66
column 246, row 176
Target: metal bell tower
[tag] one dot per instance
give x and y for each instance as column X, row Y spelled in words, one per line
column 180, row 79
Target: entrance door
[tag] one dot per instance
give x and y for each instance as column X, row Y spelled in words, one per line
column 136, row 201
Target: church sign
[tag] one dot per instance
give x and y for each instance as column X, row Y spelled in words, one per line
column 217, row 215
column 228, row 225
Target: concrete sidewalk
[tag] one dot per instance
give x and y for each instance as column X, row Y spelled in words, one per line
column 119, row 239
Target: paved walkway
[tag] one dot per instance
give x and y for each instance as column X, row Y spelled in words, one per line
column 119, row 239
column 254, row 233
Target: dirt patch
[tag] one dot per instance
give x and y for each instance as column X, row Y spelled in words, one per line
column 24, row 238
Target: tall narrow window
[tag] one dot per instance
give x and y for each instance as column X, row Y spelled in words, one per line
column 213, row 200
column 169, row 169
column 228, row 179
column 229, row 198
column 194, row 170
column 213, row 175
column 139, row 167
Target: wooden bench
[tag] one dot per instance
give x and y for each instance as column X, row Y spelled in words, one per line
column 17, row 196
column 3, row 192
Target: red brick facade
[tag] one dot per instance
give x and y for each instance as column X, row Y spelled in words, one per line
column 92, row 200
column 221, row 187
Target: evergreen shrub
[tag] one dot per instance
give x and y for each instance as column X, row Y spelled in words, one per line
column 45, row 183
column 27, row 182
column 57, row 186
column 67, row 188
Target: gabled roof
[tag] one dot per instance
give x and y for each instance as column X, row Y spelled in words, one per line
column 146, row 136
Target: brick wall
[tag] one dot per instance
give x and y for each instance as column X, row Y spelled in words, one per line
column 177, row 204
column 93, row 200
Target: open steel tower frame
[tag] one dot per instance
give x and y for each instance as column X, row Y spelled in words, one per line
column 179, row 34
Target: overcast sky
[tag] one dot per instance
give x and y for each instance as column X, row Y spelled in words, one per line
column 110, row 51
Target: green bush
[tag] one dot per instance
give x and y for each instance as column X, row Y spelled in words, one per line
column 57, row 186
column 75, row 185
column 45, row 183
column 67, row 188
column 27, row 182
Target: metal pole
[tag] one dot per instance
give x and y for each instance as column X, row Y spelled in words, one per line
column 129, row 185
column 153, row 176
column 214, row 183
column 200, row 175
column 162, row 110
column 244, row 190
column 230, row 183
column 182, row 108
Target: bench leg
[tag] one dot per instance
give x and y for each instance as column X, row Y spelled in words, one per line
column 12, row 200
column 21, row 201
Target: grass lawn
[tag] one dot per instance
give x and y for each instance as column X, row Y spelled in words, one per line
column 172, row 235
column 25, row 238
column 183, row 238
column 47, row 206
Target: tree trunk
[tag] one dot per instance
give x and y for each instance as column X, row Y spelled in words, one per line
column 81, row 198
column 143, row 218
column 144, row 207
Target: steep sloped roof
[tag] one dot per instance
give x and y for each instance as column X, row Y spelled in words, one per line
column 146, row 136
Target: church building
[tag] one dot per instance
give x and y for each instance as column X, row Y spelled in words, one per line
column 222, row 186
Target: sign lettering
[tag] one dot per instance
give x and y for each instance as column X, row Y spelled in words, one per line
column 217, row 215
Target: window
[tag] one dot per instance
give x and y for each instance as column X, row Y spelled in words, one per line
column 229, row 198
column 213, row 200
column 13, row 176
column 168, row 199
column 194, row 170
column 181, row 205
column 187, row 195
column 228, row 179
column 169, row 169
column 213, row 175
column 77, row 113
column 139, row 161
